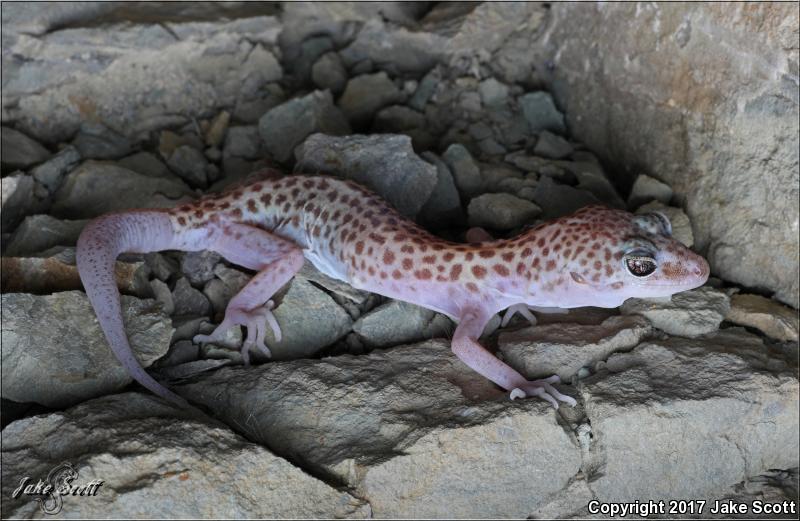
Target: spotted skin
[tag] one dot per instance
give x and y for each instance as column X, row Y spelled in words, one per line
column 351, row 234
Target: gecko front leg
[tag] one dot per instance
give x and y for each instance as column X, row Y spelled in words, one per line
column 466, row 347
column 277, row 261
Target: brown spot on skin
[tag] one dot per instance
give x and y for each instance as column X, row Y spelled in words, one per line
column 388, row 257
column 556, row 247
column 182, row 221
column 296, row 221
column 469, row 256
column 617, row 285
column 323, row 185
column 236, row 212
column 447, row 257
column 406, row 248
column 540, row 242
column 508, row 256
column 536, row 262
column 455, row 272
column 315, row 231
column 618, row 255
column 567, row 253
column 237, row 194
column 308, row 184
column 396, row 274
column 609, row 270
column 479, row 272
column 198, row 213
column 520, row 268
column 486, row 254
column 550, row 266
column 287, row 207
column 295, row 193
column 584, row 262
column 527, row 252
column 359, row 247
column 225, row 205
column 251, row 205
column 383, row 275
column 596, row 246
column 336, row 215
column 598, row 265
column 501, row 270
column 291, row 181
column 471, row 286
column 380, row 239
column 363, row 264
column 440, row 268
column 546, row 252
column 423, row 274
column 555, row 235
column 441, row 278
column 280, row 199
column 369, row 250
column 208, row 205
column 429, row 259
column 351, row 237
column 596, row 277
column 332, row 195
column 407, row 264
column 371, row 270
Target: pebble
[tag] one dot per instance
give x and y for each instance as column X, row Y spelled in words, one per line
column 397, row 322
column 646, row 189
column 37, row 233
column 466, row 173
column 51, row 173
column 145, row 163
column 287, row 125
column 96, row 141
column 199, row 266
column 772, row 318
column 552, row 146
column 189, row 301
column 688, row 313
column 243, row 141
column 557, row 200
column 425, row 90
column 190, row 165
column 20, row 151
column 163, row 295
column 501, row 211
column 216, row 131
column 443, row 207
column 366, row 94
column 328, row 72
column 541, row 113
column 493, row 93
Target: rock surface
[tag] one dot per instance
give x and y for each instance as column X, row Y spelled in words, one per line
column 20, row 151
column 689, row 313
column 773, row 319
column 399, row 322
column 56, row 341
column 501, row 211
column 159, row 461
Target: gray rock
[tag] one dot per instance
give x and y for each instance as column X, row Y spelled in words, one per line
column 217, row 129
column 56, row 342
column 466, row 173
column 310, row 50
column 249, row 110
column 181, row 352
column 384, row 163
column 501, row 211
column 396, row 50
column 397, row 322
column 244, row 142
column 51, row 173
column 191, row 165
column 420, row 427
column 681, row 227
column 19, row 198
column 480, row 130
column 97, row 141
column 288, row 124
column 689, row 313
column 227, row 284
column 721, row 402
column 493, row 93
column 198, row 266
column 493, row 174
column 557, row 200
column 169, row 141
column 564, row 348
column 366, row 94
column 329, row 73
column 425, row 90
column 336, row 286
column 768, row 316
column 541, row 113
column 552, row 146
column 398, row 118
column 96, row 188
column 646, row 189
column 20, row 151
column 147, row 452
column 145, row 163
column 40, row 232
column 591, row 178
column 163, row 296
column 490, row 147
column 443, row 208
column 190, row 369
column 162, row 266
column 309, row 320
column 189, row 301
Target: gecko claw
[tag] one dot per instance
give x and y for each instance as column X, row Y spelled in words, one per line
column 543, row 389
column 522, row 309
column 255, row 322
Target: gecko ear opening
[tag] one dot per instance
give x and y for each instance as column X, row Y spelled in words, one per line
column 654, row 222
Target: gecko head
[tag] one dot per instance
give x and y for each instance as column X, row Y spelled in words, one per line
column 628, row 255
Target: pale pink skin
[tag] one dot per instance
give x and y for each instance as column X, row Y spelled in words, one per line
column 351, row 234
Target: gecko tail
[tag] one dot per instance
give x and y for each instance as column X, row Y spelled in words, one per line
column 99, row 244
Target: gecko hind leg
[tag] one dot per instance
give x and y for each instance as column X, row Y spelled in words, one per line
column 277, row 260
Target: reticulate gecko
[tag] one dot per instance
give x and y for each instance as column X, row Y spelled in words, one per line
column 594, row 257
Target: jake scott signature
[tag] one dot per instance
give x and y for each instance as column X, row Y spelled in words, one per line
column 60, row 482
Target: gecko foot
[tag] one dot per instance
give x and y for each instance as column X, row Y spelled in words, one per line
column 522, row 309
column 543, row 389
column 255, row 321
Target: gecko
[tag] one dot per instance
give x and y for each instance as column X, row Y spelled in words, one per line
column 597, row 256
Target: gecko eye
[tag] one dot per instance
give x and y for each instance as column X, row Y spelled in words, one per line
column 640, row 266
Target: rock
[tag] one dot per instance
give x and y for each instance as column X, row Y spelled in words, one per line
column 162, row 266
column 216, row 131
column 384, row 163
column 227, row 284
column 557, row 200
column 688, row 313
column 244, row 142
column 51, row 272
column 552, row 146
column 198, row 266
column 96, row 188
column 312, row 274
column 647, row 189
column 425, row 89
column 145, row 163
column 288, row 124
column 97, row 141
column 39, row 232
column 51, row 173
column 146, row 452
column 641, row 117
column 395, row 50
column 310, row 50
column 480, row 130
column 541, row 113
column 564, row 348
column 169, row 141
column 249, row 110
column 181, row 352
column 592, row 179
column 397, row 322
column 191, row 165
column 775, row 320
column 56, row 341
column 20, row 151
column 309, row 320
column 413, row 419
column 493, row 93
column 466, row 173
column 501, row 211
column 366, row 94
column 163, row 295
column 493, row 174
column 443, row 208
column 681, row 227
column 329, row 73
column 189, row 369
column 490, row 147
column 398, row 118
column 19, row 198
column 656, row 401
column 189, row 301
